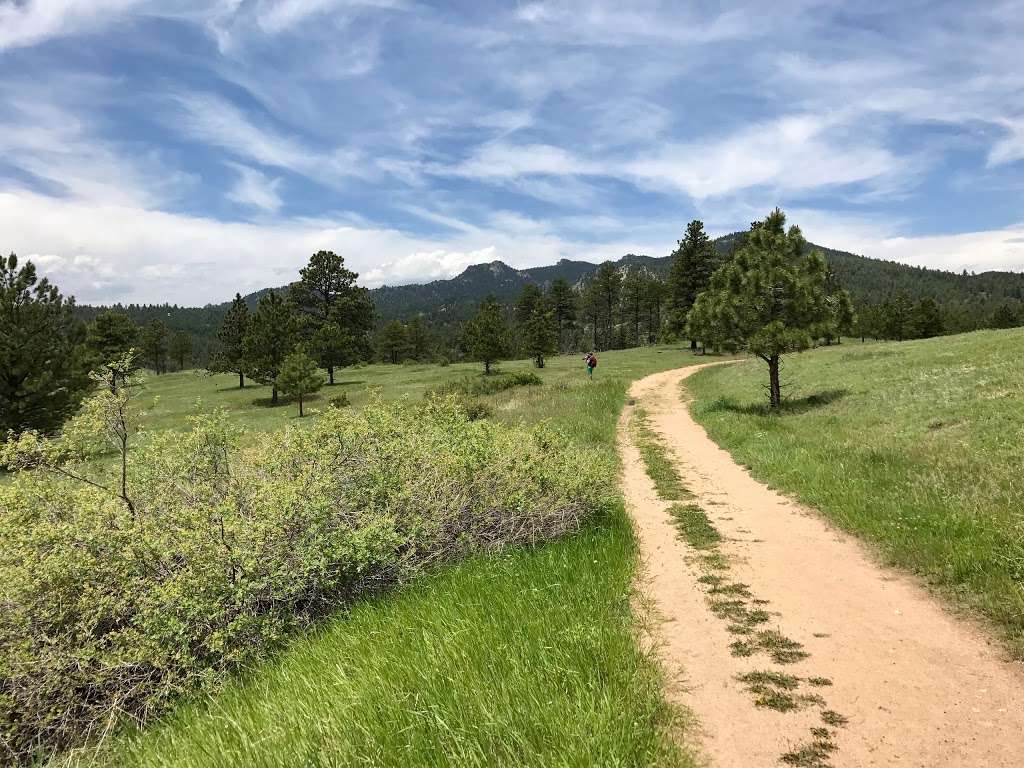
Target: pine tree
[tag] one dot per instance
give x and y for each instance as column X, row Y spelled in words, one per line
column 418, row 336
column 334, row 310
column 897, row 317
column 634, row 287
column 927, row 318
column 299, row 376
column 654, row 298
column 1005, row 317
column 154, row 345
column 393, row 345
column 230, row 358
column 693, row 262
column 181, row 348
column 272, row 336
column 539, row 334
column 769, row 300
column 527, row 303
column 563, row 303
column 486, row 335
column 607, row 286
column 110, row 335
column 43, row 365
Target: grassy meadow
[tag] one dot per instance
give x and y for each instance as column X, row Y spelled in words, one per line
column 914, row 446
column 525, row 658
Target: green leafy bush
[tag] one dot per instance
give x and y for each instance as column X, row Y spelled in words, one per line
column 339, row 401
column 489, row 385
column 115, row 600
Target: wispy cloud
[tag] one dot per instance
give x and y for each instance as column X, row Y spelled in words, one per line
column 416, row 135
column 255, row 189
column 29, row 22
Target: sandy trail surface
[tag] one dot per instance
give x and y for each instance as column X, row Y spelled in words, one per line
column 919, row 686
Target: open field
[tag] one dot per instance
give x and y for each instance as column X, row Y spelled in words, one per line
column 913, row 446
column 170, row 398
column 528, row 658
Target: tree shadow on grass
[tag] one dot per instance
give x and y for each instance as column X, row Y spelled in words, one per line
column 795, row 405
column 282, row 400
column 347, row 383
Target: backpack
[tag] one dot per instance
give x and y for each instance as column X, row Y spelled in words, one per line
column 593, row 361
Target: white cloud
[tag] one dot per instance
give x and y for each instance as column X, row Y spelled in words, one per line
column 255, row 189
column 33, row 21
column 103, row 253
column 879, row 237
column 509, row 161
column 792, row 153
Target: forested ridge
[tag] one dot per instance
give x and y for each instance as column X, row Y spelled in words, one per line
column 968, row 301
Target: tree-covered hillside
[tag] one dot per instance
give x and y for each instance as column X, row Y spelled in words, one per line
column 968, row 301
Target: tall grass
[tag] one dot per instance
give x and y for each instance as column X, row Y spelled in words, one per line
column 915, row 446
column 526, row 658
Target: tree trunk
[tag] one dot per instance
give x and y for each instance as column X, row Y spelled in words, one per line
column 693, row 345
column 540, row 361
column 330, row 374
column 487, row 367
column 241, row 380
column 301, row 414
column 273, row 395
column 773, row 381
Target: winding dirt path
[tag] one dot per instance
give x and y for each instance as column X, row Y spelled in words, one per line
column 918, row 686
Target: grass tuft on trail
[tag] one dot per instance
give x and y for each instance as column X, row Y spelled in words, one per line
column 657, row 460
column 695, row 528
column 915, row 446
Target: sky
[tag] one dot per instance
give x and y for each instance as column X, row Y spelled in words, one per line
column 181, row 151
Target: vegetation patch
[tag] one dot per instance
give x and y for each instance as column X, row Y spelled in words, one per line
column 813, row 754
column 833, row 718
column 130, row 583
column 477, row 386
column 694, row 526
column 657, row 460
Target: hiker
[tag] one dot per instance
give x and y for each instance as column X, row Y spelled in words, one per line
column 591, row 359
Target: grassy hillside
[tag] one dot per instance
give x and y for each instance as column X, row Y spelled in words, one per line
column 914, row 446
column 527, row 658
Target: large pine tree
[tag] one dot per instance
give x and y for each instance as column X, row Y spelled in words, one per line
column 337, row 314
column 486, row 335
column 230, row 357
column 272, row 336
column 43, row 370
column 693, row 261
column 770, row 299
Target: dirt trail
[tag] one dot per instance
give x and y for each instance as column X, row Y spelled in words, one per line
column 918, row 686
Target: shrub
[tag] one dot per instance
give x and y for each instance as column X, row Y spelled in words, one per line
column 339, row 401
column 113, row 605
column 490, row 385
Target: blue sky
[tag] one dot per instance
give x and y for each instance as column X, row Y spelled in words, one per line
column 180, row 150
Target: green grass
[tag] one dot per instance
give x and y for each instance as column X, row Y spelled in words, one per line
column 657, row 460
column 694, row 526
column 914, row 446
column 526, row 658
